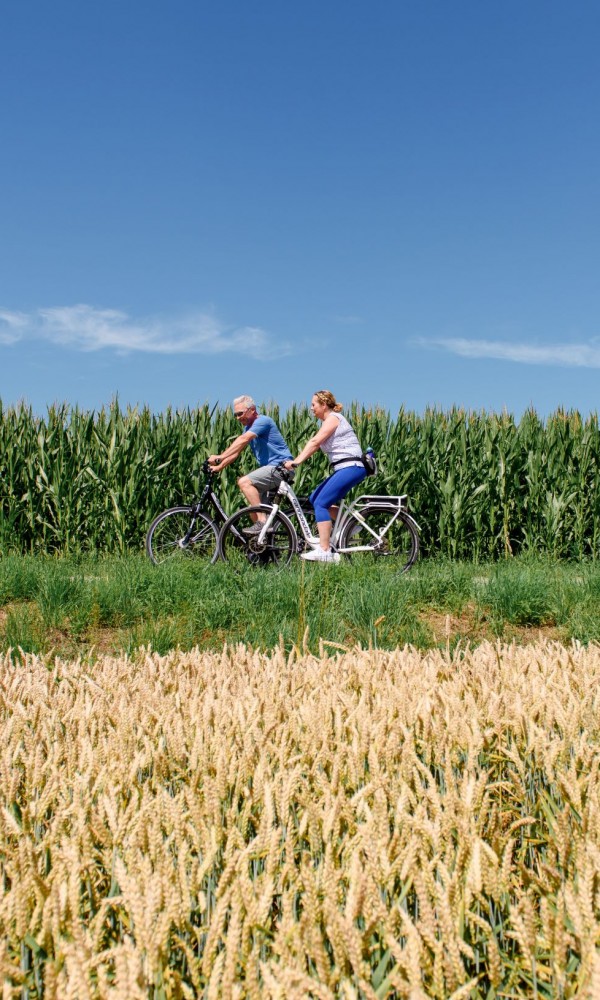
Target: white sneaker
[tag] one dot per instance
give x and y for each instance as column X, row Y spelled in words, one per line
column 320, row 555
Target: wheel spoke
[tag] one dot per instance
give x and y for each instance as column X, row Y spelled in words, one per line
column 165, row 540
column 239, row 542
column 399, row 544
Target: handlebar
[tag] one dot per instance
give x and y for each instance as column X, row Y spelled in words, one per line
column 288, row 474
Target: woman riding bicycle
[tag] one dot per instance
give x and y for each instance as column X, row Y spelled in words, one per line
column 338, row 441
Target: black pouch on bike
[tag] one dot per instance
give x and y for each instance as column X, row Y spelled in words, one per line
column 369, row 461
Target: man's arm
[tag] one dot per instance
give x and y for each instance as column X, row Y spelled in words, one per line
column 218, row 462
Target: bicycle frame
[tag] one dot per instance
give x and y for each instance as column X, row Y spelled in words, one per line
column 395, row 504
column 199, row 507
column 286, row 490
column 208, row 494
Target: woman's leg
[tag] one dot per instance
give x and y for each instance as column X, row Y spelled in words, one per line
column 326, row 497
column 324, row 529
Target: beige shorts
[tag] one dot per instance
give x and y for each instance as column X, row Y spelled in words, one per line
column 266, row 479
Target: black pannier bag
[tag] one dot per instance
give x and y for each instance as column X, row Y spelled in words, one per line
column 369, row 461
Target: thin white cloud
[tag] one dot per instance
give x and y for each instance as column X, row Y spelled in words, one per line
column 86, row 328
column 560, row 355
column 12, row 325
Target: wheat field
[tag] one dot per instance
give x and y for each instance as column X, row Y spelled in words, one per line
column 358, row 824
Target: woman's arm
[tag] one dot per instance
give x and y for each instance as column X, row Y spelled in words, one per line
column 329, row 425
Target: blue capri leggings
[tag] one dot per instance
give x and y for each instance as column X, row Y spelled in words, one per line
column 334, row 489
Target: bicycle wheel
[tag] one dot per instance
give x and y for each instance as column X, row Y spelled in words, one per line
column 167, row 536
column 399, row 544
column 239, row 546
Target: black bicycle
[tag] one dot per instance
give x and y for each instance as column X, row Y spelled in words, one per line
column 189, row 531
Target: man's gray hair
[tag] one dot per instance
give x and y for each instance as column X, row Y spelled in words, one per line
column 245, row 400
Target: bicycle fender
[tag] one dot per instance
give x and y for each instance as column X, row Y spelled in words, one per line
column 414, row 523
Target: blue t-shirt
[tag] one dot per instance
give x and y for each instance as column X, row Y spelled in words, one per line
column 268, row 446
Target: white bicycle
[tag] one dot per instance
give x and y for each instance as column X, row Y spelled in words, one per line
column 375, row 525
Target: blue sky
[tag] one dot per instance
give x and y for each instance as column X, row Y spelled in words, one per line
column 398, row 201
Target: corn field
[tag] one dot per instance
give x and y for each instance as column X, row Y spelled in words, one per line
column 482, row 485
column 357, row 825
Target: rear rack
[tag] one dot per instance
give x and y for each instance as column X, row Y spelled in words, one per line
column 392, row 501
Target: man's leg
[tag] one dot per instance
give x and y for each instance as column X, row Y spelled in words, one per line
column 249, row 490
column 256, row 484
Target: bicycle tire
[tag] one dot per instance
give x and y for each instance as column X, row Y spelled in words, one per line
column 240, row 549
column 171, row 526
column 399, row 545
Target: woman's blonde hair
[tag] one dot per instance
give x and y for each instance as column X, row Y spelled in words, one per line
column 328, row 399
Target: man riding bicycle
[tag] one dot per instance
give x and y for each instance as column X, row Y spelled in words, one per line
column 269, row 449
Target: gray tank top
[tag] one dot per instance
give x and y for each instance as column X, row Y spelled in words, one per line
column 343, row 443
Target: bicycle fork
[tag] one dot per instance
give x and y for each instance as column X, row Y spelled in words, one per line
column 261, row 538
column 185, row 541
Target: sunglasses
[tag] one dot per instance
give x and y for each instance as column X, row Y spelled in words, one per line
column 240, row 413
